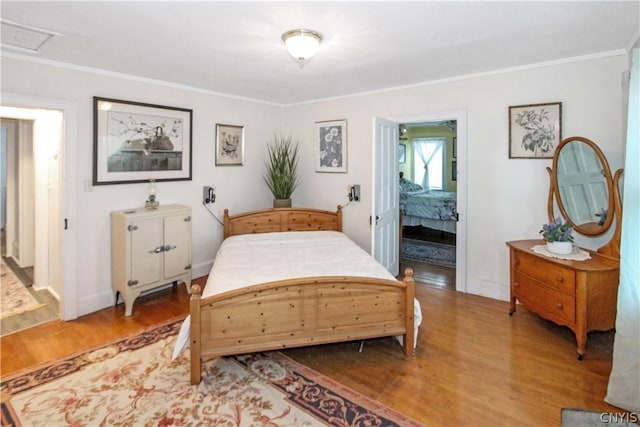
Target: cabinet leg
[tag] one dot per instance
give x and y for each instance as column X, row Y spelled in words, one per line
column 512, row 306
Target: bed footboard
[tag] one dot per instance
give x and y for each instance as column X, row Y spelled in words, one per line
column 299, row 312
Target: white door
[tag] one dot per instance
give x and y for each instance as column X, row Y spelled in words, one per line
column 385, row 218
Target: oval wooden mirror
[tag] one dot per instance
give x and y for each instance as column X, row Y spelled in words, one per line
column 585, row 191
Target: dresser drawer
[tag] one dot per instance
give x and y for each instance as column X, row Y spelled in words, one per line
column 553, row 275
column 541, row 299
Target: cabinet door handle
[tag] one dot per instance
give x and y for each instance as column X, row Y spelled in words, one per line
column 132, row 227
column 132, row 282
column 169, row 247
column 157, row 250
column 187, row 219
column 187, row 267
column 559, row 305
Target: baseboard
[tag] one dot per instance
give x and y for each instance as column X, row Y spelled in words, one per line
column 489, row 290
column 103, row 300
column 95, row 302
column 201, row 270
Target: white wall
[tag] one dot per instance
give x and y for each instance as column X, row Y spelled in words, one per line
column 506, row 198
column 239, row 188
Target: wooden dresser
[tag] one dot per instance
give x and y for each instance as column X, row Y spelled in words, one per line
column 579, row 294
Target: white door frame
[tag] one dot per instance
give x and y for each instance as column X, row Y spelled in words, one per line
column 461, row 230
column 67, row 156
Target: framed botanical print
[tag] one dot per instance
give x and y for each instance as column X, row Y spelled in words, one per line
column 331, row 146
column 534, row 130
column 229, row 145
column 138, row 142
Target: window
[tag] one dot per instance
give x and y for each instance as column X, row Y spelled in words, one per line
column 429, row 157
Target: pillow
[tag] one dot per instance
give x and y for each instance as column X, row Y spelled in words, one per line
column 406, row 186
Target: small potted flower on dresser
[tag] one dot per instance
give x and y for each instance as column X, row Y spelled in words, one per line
column 558, row 237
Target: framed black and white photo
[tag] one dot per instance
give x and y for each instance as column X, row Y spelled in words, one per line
column 534, row 130
column 229, row 145
column 454, row 170
column 331, row 146
column 138, row 142
column 402, row 152
column 455, row 147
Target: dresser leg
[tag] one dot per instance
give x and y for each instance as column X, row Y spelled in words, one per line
column 582, row 345
column 512, row 306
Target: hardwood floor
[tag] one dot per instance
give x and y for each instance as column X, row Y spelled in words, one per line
column 474, row 364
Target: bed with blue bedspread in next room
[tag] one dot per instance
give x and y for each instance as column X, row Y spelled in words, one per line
column 429, row 208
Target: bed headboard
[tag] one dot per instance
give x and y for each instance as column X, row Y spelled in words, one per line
column 282, row 219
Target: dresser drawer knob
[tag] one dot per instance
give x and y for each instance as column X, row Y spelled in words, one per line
column 559, row 305
column 560, row 279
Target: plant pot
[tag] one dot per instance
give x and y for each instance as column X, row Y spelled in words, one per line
column 560, row 248
column 281, row 203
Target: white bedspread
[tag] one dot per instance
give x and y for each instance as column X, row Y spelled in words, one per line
column 250, row 259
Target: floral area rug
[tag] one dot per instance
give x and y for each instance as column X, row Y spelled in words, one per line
column 431, row 252
column 15, row 298
column 134, row 382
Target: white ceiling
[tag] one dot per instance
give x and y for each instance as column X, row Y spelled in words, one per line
column 235, row 48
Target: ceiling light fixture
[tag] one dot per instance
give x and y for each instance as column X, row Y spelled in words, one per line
column 302, row 44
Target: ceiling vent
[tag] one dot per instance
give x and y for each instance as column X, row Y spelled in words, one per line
column 23, row 38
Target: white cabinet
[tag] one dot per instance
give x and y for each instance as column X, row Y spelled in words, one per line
column 149, row 248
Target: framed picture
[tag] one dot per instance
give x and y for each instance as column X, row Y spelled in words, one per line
column 534, row 130
column 402, row 151
column 137, row 142
column 229, row 145
column 331, row 146
column 455, row 147
column 454, row 170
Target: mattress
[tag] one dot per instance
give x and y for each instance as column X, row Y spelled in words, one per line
column 251, row 259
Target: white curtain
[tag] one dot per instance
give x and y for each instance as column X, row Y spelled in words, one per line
column 426, row 149
column 624, row 381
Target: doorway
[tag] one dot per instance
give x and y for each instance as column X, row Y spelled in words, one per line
column 30, row 207
column 55, row 164
column 428, row 196
column 452, row 168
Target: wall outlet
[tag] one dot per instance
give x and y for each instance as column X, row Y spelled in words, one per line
column 208, row 194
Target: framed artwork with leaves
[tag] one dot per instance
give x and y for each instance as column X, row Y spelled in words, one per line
column 535, row 130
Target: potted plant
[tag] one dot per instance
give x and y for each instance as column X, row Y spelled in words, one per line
column 558, row 237
column 281, row 175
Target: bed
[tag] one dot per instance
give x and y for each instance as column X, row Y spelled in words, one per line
column 278, row 282
column 429, row 208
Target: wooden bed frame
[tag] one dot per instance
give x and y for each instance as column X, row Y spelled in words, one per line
column 297, row 312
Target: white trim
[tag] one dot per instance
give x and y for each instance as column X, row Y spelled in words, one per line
column 107, row 73
column 69, row 306
column 471, row 76
column 525, row 67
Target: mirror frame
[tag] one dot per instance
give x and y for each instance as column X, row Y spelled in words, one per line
column 614, row 206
